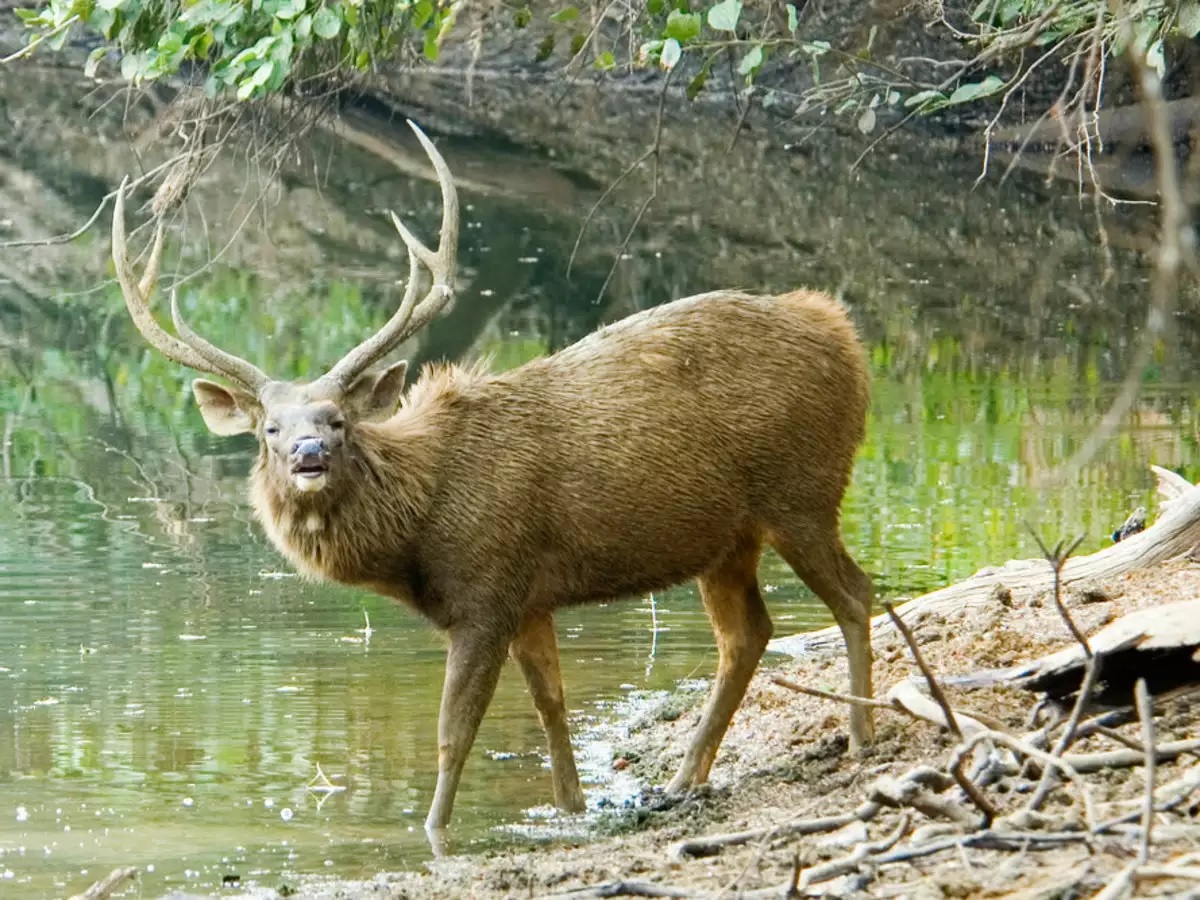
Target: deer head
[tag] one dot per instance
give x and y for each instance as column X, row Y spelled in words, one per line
column 303, row 428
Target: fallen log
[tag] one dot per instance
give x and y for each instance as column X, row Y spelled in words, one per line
column 1176, row 531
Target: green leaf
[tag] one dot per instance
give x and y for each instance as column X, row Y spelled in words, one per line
column 93, row 61
column 289, row 9
column 671, row 53
column 696, row 85
column 1187, row 19
column 922, row 98
column 793, row 18
column 976, row 90
column 303, row 26
column 605, row 61
column 752, row 61
column 816, row 48
column 522, row 17
column 654, row 7
column 1009, row 12
column 566, row 15
column 30, row 17
column 326, row 23
column 577, row 43
column 422, row 12
column 682, row 26
column 545, row 48
column 132, row 65
column 724, row 16
column 260, row 77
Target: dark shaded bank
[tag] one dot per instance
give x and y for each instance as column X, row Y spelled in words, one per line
column 904, row 226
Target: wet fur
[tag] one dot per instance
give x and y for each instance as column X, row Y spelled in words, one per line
column 676, row 443
column 626, row 463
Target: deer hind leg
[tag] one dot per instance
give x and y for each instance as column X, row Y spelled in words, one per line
column 473, row 666
column 742, row 628
column 822, row 562
column 535, row 649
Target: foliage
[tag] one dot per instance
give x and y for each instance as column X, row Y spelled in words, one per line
column 250, row 47
column 254, row 48
column 1004, row 27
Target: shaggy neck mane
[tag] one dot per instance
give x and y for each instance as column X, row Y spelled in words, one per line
column 354, row 531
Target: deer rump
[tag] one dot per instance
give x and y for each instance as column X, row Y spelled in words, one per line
column 675, row 443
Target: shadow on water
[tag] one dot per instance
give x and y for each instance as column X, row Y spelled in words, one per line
column 168, row 689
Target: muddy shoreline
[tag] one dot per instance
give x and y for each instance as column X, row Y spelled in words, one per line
column 786, row 757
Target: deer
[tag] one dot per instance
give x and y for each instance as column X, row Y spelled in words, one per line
column 674, row 444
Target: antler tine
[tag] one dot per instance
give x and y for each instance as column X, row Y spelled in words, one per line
column 232, row 367
column 192, row 351
column 412, row 315
column 137, row 293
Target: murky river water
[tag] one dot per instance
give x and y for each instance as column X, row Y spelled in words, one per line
column 170, row 695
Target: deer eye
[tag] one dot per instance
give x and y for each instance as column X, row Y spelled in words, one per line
column 337, row 425
column 272, row 430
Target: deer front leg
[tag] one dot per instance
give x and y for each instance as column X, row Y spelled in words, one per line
column 535, row 648
column 473, row 666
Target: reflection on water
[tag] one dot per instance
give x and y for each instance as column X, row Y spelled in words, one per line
column 170, row 694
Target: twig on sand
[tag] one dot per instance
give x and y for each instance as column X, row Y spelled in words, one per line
column 1057, row 558
column 969, row 788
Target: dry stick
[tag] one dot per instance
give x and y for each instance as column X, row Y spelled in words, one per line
column 846, row 864
column 707, row 846
column 985, row 806
column 107, row 885
column 1063, row 763
column 1145, row 710
column 1176, row 249
column 1057, row 558
column 624, row 889
column 651, row 152
column 67, row 238
column 1123, row 759
column 46, row 35
column 1121, row 885
column 935, row 689
column 895, row 705
column 842, row 698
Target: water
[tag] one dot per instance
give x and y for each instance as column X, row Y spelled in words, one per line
column 170, row 695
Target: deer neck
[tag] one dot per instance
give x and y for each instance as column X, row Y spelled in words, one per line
column 358, row 532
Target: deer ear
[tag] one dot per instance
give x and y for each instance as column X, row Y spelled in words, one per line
column 226, row 411
column 376, row 395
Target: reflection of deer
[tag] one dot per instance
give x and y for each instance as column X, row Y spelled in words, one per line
column 673, row 444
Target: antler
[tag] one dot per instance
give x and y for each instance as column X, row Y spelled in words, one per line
column 192, row 351
column 412, row 315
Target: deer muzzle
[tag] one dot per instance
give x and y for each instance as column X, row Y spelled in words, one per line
column 309, row 463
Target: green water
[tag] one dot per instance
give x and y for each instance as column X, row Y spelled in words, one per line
column 168, row 689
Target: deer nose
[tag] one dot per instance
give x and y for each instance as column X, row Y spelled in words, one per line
column 308, row 446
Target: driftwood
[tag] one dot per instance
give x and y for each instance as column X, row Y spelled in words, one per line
column 108, row 885
column 1175, row 532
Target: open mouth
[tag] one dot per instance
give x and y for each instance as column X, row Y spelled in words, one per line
column 310, row 470
column 309, row 476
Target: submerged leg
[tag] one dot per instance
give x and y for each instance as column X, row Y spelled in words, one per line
column 742, row 628
column 535, row 649
column 473, row 666
column 826, row 567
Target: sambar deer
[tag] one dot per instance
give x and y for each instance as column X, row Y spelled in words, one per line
column 673, row 444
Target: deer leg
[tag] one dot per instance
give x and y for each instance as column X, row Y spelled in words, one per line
column 742, row 628
column 826, row 567
column 473, row 666
column 535, row 649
